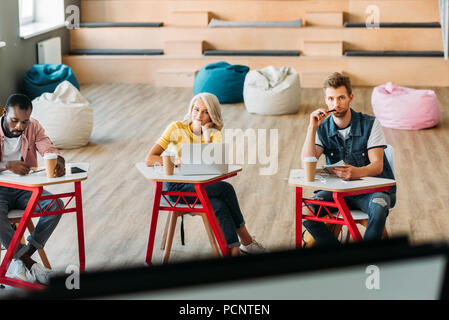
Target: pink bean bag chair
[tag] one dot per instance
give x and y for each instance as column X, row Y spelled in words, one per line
column 404, row 108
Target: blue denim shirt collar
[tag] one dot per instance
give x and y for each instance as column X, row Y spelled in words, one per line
column 355, row 126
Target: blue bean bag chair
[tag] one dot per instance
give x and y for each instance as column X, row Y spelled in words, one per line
column 223, row 80
column 46, row 77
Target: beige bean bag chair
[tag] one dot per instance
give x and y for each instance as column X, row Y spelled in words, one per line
column 66, row 116
column 272, row 91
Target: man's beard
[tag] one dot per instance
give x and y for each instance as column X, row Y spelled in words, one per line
column 8, row 132
column 16, row 133
column 12, row 133
column 340, row 114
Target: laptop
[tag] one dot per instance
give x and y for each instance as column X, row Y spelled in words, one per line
column 204, row 159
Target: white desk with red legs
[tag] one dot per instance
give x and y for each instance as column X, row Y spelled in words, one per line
column 35, row 183
column 200, row 181
column 340, row 189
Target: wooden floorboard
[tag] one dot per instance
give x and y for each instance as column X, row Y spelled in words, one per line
column 117, row 199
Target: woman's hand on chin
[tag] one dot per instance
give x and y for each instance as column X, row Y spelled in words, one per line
column 196, row 127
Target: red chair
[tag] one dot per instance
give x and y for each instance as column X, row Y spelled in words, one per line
column 14, row 217
column 170, row 225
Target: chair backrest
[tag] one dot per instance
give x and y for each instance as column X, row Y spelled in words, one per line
column 389, row 153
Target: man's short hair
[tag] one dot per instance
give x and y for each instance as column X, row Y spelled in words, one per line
column 18, row 100
column 336, row 80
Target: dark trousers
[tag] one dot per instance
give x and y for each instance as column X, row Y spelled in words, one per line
column 18, row 199
column 224, row 201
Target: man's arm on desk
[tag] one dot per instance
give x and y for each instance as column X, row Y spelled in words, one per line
column 375, row 167
column 17, row 167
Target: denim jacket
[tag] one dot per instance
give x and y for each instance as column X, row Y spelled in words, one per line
column 353, row 150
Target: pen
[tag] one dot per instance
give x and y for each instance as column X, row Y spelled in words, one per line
column 330, row 111
column 35, row 169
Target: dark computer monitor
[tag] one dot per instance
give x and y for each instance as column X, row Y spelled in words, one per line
column 388, row 269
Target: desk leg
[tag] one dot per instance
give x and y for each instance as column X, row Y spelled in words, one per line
column 153, row 223
column 80, row 226
column 298, row 218
column 352, row 227
column 212, row 219
column 15, row 242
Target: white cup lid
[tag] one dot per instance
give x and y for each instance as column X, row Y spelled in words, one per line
column 310, row 159
column 50, row 156
column 168, row 153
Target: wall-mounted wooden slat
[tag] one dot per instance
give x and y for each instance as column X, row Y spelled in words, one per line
column 184, row 47
column 324, row 19
column 189, row 18
column 323, row 48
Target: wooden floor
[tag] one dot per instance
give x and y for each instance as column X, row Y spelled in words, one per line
column 117, row 199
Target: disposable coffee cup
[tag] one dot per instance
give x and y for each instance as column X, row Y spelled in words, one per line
column 169, row 166
column 51, row 159
column 167, row 162
column 310, row 166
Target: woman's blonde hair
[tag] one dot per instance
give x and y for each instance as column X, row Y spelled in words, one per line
column 213, row 108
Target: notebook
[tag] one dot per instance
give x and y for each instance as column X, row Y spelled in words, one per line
column 204, row 159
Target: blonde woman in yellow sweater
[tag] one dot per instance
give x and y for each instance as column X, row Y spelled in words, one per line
column 203, row 124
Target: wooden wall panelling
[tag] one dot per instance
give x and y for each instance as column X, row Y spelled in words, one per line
column 124, row 11
column 189, row 18
column 365, row 71
column 323, row 48
column 257, row 10
column 324, row 19
column 394, row 10
column 244, row 10
column 257, row 38
column 184, row 47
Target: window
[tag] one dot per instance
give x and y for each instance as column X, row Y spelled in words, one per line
column 26, row 11
column 40, row 16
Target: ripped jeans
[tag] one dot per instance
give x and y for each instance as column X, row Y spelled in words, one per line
column 376, row 205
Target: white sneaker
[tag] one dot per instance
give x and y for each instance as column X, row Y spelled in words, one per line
column 253, row 248
column 40, row 273
column 17, row 270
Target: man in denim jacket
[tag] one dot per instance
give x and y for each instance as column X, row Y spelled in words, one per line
column 356, row 139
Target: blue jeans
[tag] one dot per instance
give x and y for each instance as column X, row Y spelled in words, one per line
column 11, row 199
column 223, row 200
column 376, row 205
